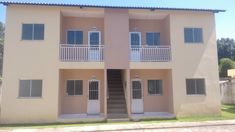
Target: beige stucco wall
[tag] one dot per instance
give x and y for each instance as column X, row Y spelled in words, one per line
column 116, row 50
column 194, row 61
column 155, row 103
column 143, row 26
column 78, row 104
column 30, row 60
column 84, row 24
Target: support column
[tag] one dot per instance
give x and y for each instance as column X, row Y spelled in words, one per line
column 105, row 93
column 128, row 90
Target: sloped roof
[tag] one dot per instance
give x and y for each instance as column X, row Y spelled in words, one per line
column 131, row 4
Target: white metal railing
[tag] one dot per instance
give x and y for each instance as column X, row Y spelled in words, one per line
column 82, row 53
column 150, row 53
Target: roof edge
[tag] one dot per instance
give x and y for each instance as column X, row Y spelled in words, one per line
column 103, row 6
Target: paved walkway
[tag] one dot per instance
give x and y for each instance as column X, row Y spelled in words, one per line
column 204, row 126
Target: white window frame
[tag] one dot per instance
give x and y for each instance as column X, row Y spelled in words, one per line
column 146, row 39
column 155, row 94
column 193, row 28
column 74, row 87
column 195, row 85
column 139, row 33
column 72, row 30
column 30, row 89
column 89, row 33
column 32, row 32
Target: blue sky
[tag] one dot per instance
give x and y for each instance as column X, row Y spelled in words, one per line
column 224, row 21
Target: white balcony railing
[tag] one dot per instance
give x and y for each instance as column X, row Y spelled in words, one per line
column 81, row 53
column 150, row 54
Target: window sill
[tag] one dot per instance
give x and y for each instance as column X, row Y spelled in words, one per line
column 32, row 40
column 155, row 94
column 196, row 95
column 193, row 43
column 29, row 97
column 73, row 95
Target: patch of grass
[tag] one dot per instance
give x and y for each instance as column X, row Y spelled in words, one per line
column 227, row 113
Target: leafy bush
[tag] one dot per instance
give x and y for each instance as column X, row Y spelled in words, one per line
column 224, row 65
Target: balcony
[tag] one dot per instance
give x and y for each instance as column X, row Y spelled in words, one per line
column 81, row 53
column 150, row 53
column 86, row 53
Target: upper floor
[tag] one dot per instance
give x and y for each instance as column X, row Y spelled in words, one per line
column 116, row 38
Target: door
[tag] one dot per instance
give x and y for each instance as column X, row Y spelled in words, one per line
column 94, row 45
column 93, row 106
column 135, row 44
column 137, row 96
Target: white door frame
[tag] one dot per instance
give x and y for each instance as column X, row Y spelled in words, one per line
column 135, row 52
column 93, row 106
column 139, row 33
column 89, row 33
column 137, row 105
column 94, row 52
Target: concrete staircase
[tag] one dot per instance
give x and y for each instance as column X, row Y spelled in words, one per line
column 116, row 102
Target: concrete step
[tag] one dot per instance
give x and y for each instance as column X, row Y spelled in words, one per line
column 117, row 110
column 116, row 98
column 117, row 115
column 115, row 90
column 118, row 120
column 114, row 72
column 115, row 85
column 119, row 83
column 114, row 75
column 116, row 93
column 122, row 105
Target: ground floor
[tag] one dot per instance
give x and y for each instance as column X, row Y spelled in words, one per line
column 77, row 95
column 113, row 94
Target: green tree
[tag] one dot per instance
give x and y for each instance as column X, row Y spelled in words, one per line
column 226, row 48
column 224, row 65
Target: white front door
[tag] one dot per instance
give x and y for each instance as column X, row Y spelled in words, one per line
column 93, row 106
column 135, row 44
column 137, row 96
column 94, row 40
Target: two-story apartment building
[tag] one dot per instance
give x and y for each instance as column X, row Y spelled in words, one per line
column 81, row 62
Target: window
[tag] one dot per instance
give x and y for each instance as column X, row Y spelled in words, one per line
column 30, row 88
column 33, row 32
column 135, row 39
column 75, row 37
column 155, row 87
column 74, row 87
column 195, row 86
column 152, row 38
column 193, row 35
